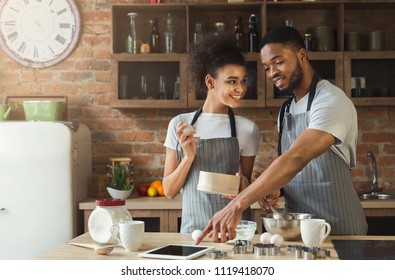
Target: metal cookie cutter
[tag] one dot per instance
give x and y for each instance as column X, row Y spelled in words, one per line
column 217, row 254
column 307, row 253
column 312, row 253
column 266, row 250
column 242, row 247
column 295, row 250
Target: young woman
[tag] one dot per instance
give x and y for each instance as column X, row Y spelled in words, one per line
column 219, row 141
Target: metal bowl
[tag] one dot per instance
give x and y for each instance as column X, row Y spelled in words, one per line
column 288, row 227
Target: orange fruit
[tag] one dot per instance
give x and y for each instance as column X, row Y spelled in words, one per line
column 152, row 191
column 160, row 190
column 156, row 184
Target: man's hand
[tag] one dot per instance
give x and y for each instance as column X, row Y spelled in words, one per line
column 222, row 227
column 272, row 199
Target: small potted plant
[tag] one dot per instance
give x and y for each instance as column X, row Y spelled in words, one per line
column 121, row 184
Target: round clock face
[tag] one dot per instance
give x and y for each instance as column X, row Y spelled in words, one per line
column 38, row 33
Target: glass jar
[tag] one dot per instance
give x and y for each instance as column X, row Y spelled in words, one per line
column 108, row 212
column 169, row 35
column 308, row 41
column 131, row 40
column 198, row 33
column 219, row 28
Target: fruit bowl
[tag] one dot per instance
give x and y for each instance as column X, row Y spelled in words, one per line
column 289, row 227
column 43, row 110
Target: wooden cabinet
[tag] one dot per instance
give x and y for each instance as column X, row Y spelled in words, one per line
column 346, row 69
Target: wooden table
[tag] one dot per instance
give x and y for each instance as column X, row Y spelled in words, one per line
column 153, row 240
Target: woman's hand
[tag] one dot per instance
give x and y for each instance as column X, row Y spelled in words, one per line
column 187, row 140
column 244, row 183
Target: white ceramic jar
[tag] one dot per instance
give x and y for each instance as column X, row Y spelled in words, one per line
column 108, row 212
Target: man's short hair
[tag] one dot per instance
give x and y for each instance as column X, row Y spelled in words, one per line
column 285, row 35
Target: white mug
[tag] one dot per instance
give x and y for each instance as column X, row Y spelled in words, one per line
column 314, row 231
column 131, row 234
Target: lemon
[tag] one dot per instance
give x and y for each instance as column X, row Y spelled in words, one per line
column 152, row 191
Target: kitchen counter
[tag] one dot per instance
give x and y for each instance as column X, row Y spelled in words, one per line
column 153, row 240
column 168, row 212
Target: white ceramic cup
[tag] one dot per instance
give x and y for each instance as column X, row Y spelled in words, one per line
column 131, row 234
column 314, row 231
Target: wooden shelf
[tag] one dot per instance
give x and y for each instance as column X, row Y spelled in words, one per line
column 338, row 66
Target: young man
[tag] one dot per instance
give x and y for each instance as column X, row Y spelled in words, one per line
column 317, row 147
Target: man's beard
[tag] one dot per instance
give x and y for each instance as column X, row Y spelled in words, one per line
column 295, row 79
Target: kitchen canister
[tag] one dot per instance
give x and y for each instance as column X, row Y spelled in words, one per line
column 108, row 212
column 352, row 41
column 376, row 41
column 324, row 38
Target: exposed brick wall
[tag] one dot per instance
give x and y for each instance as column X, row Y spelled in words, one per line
column 85, row 78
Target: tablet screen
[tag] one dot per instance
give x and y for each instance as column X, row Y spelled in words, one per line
column 177, row 252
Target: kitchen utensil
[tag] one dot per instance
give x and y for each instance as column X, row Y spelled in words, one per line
column 99, row 249
column 276, row 214
column 219, row 183
column 289, row 227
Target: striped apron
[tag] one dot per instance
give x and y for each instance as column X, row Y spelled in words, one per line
column 324, row 187
column 220, row 155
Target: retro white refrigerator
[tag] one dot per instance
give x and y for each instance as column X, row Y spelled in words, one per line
column 44, row 171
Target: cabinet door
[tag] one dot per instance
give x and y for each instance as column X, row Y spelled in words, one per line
column 369, row 77
column 129, row 70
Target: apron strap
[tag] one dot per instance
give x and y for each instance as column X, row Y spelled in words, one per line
column 313, row 87
column 232, row 122
column 284, row 107
column 287, row 104
column 196, row 116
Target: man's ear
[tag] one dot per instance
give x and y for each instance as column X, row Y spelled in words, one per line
column 302, row 54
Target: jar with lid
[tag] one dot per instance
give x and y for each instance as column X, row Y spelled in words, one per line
column 308, row 41
column 219, row 28
column 131, row 40
column 108, row 212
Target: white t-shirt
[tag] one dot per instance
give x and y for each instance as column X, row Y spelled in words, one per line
column 210, row 125
column 333, row 112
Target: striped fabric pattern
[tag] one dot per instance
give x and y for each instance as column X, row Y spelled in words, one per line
column 324, row 187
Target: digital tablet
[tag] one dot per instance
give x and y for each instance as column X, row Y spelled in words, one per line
column 177, row 252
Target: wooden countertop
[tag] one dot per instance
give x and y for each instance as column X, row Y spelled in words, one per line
column 153, row 240
column 136, row 202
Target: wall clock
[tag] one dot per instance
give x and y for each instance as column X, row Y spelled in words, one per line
column 39, row 33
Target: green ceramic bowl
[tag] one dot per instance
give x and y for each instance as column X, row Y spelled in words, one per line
column 43, row 110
